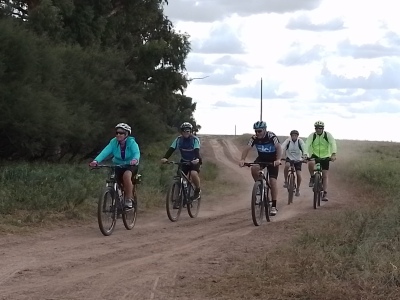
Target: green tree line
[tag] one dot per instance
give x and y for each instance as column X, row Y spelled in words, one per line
column 72, row 69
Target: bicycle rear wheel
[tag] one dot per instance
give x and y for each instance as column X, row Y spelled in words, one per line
column 129, row 215
column 316, row 189
column 107, row 211
column 290, row 188
column 174, row 201
column 193, row 205
column 257, row 203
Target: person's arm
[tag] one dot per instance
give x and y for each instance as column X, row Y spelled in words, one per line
column 332, row 142
column 284, row 145
column 197, row 150
column 104, row 153
column 308, row 150
column 135, row 149
column 303, row 146
column 171, row 149
column 247, row 148
column 278, row 148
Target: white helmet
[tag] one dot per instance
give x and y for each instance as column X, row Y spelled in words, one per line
column 124, row 126
column 186, row 125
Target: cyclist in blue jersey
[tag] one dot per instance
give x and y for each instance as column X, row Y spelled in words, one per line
column 269, row 150
column 125, row 151
column 189, row 147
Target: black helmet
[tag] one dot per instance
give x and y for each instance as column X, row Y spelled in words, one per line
column 294, row 132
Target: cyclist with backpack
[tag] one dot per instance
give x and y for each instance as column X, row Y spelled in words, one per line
column 189, row 147
column 321, row 144
column 293, row 147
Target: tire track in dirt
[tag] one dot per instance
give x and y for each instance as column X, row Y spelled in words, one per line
column 150, row 261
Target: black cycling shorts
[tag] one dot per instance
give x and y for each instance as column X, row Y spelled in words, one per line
column 272, row 171
column 297, row 165
column 324, row 163
column 119, row 172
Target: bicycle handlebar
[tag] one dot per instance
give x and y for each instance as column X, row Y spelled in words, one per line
column 259, row 163
column 110, row 166
column 176, row 163
column 295, row 161
column 317, row 159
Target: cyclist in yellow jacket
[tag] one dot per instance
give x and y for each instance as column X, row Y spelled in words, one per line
column 321, row 144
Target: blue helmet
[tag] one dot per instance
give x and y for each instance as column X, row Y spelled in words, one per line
column 260, row 125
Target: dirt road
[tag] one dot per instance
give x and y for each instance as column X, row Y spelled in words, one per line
column 157, row 259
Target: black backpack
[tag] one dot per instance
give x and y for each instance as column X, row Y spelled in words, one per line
column 325, row 137
column 298, row 143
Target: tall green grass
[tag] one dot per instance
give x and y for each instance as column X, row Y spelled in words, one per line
column 346, row 254
column 34, row 192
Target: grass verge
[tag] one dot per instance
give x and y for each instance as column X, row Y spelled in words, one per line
column 45, row 193
column 346, row 255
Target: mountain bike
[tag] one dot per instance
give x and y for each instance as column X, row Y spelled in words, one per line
column 181, row 194
column 291, row 178
column 111, row 203
column 261, row 199
column 318, row 187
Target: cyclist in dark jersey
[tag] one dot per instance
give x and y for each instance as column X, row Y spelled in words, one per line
column 189, row 147
column 269, row 150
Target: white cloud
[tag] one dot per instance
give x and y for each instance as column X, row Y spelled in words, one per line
column 385, row 78
column 213, row 10
column 304, row 22
column 222, row 39
column 335, row 60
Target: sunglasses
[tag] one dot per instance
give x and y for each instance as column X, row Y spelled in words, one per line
column 120, row 133
column 319, row 128
column 258, row 131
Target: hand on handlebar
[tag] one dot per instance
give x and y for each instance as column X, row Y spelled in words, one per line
column 93, row 164
column 241, row 163
column 164, row 160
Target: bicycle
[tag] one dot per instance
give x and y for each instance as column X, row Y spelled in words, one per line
column 291, row 178
column 181, row 194
column 262, row 189
column 318, row 180
column 112, row 203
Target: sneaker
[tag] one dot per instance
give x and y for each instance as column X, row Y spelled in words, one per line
column 311, row 184
column 273, row 211
column 325, row 198
column 197, row 192
column 128, row 203
column 297, row 193
column 285, row 185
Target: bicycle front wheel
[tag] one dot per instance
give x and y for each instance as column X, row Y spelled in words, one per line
column 317, row 192
column 174, row 201
column 290, row 188
column 257, row 203
column 193, row 205
column 267, row 203
column 107, row 211
column 129, row 215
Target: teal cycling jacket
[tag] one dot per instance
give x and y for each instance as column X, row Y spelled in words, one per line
column 113, row 148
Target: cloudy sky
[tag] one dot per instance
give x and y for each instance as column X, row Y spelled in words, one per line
column 332, row 60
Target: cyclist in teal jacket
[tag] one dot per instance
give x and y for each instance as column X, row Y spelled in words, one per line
column 125, row 151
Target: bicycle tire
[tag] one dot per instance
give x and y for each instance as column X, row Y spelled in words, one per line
column 267, row 204
column 129, row 224
column 257, row 217
column 316, row 190
column 193, row 210
column 290, row 182
column 101, row 206
column 175, row 186
column 321, row 191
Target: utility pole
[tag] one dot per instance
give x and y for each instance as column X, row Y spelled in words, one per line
column 261, row 106
column 235, row 129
